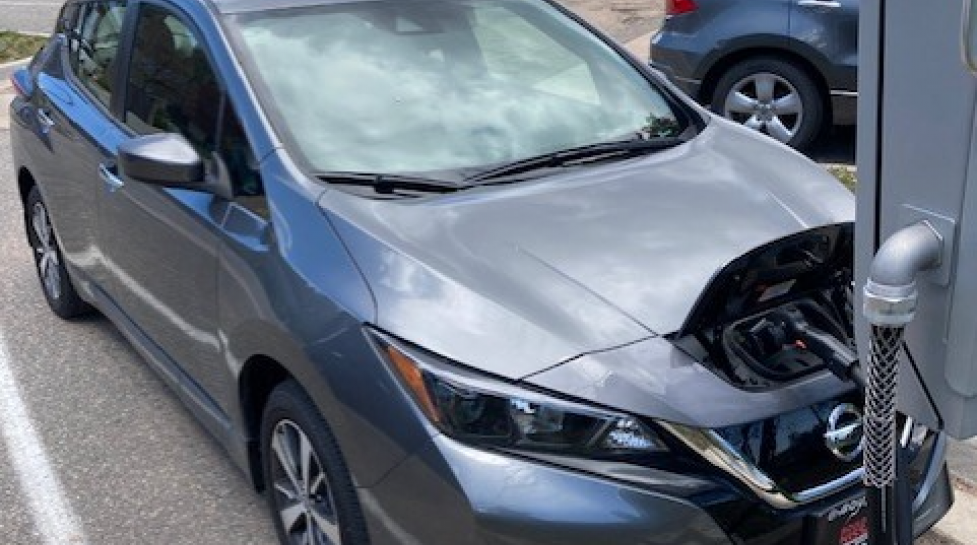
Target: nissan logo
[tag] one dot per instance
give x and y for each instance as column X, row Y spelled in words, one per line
column 844, row 435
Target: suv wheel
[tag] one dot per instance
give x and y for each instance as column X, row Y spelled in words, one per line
column 772, row 96
column 310, row 492
column 51, row 270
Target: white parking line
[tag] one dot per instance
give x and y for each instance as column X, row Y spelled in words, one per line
column 49, row 507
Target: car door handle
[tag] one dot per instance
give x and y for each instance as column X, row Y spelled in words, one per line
column 832, row 4
column 111, row 180
column 45, row 120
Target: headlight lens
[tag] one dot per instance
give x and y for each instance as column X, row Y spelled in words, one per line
column 477, row 409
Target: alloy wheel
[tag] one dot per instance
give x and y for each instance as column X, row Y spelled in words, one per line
column 767, row 103
column 302, row 495
column 48, row 260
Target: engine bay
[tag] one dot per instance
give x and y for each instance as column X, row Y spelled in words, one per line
column 779, row 313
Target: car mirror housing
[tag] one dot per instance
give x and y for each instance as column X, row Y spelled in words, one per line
column 169, row 160
column 162, row 159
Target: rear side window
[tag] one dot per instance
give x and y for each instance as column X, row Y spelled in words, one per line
column 93, row 47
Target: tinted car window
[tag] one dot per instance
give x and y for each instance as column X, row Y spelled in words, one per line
column 172, row 87
column 94, row 46
column 442, row 85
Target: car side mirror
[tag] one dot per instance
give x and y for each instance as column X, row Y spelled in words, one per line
column 161, row 159
column 168, row 160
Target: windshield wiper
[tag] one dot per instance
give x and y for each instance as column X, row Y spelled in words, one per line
column 389, row 183
column 600, row 151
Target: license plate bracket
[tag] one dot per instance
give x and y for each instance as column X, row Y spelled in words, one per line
column 844, row 523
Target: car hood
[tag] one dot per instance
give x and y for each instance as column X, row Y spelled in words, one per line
column 516, row 279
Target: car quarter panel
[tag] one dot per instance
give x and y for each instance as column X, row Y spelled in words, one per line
column 692, row 43
column 826, row 33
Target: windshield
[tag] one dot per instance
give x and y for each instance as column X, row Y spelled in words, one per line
column 425, row 86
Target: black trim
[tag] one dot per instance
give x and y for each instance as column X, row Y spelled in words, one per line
column 122, row 64
column 879, row 110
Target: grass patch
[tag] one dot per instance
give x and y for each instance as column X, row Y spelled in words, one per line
column 15, row 46
column 845, row 176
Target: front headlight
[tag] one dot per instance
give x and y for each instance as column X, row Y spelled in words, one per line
column 477, row 409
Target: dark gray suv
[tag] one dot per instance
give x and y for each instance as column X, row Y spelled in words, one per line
column 451, row 272
column 786, row 68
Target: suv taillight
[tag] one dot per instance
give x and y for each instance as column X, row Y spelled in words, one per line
column 678, row 7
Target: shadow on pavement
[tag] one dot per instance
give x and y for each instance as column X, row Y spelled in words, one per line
column 836, row 145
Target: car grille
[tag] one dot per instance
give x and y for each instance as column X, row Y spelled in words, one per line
column 790, row 448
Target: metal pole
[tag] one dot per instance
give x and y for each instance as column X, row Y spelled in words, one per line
column 890, row 305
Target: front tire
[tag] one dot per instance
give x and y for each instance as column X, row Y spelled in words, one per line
column 310, row 492
column 55, row 280
column 774, row 97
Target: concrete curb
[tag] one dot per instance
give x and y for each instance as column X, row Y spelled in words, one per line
column 14, row 64
column 841, row 166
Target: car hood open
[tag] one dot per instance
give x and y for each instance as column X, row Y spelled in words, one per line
column 516, row 279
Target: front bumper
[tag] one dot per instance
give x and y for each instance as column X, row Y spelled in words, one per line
column 450, row 493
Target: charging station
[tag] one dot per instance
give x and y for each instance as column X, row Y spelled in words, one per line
column 916, row 159
column 916, row 271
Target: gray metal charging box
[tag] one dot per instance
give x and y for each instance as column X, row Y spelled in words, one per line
column 917, row 160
